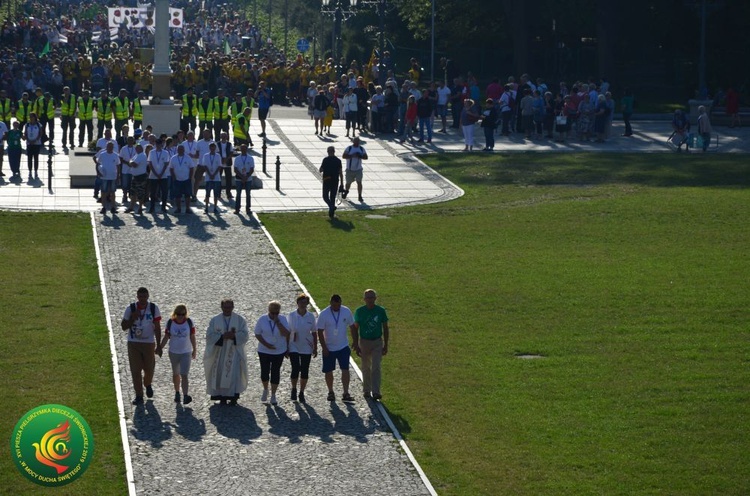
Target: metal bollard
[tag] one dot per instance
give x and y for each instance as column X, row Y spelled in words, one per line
column 278, row 173
column 264, row 155
column 50, row 152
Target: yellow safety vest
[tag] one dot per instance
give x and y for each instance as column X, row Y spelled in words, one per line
column 104, row 109
column 122, row 108
column 85, row 109
column 40, row 107
column 50, row 109
column 137, row 110
column 238, row 129
column 205, row 110
column 189, row 105
column 221, row 108
column 23, row 110
column 249, row 103
column 236, row 111
column 5, row 114
column 68, row 106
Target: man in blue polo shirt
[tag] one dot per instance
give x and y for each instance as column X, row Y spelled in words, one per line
column 370, row 341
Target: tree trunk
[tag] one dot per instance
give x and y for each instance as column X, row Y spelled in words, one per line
column 515, row 14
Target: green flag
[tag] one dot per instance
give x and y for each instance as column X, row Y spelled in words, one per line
column 45, row 50
column 227, row 49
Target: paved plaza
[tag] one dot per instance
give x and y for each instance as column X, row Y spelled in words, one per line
column 318, row 448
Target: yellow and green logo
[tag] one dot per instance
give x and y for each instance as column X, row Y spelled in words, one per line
column 52, row 445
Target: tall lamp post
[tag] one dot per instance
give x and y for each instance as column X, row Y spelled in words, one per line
column 337, row 10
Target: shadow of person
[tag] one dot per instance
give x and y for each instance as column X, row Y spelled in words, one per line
column 350, row 423
column 148, row 425
column 337, row 223
column 187, row 426
column 143, row 221
column 195, row 226
column 236, row 422
column 113, row 221
column 314, row 424
column 281, row 425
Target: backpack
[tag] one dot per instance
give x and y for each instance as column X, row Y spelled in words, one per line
column 169, row 323
column 133, row 309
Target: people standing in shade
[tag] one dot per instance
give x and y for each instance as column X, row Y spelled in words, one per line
column 333, row 323
column 370, row 335
column 354, row 155
column 181, row 168
column 272, row 333
column 226, row 150
column 15, row 150
column 211, row 161
column 108, row 164
column 180, row 333
column 33, row 136
column 244, row 166
column 333, row 177
column 303, row 345
column 138, row 191
column 3, row 132
column 704, row 127
column 142, row 321
column 159, row 173
column 224, row 360
column 469, row 116
column 489, row 123
column 626, row 103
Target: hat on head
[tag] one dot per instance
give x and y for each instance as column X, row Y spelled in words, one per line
column 138, row 132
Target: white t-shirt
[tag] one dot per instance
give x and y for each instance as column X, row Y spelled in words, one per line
column 302, row 328
column 159, row 160
column 212, row 163
column 354, row 163
column 244, row 164
column 191, row 148
column 179, row 336
column 141, row 165
column 143, row 327
column 33, row 134
column 269, row 331
column 202, row 147
column 108, row 163
column 101, row 144
column 444, row 94
column 335, row 326
column 127, row 153
column 181, row 167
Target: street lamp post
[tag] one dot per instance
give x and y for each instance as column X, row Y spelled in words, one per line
column 336, row 9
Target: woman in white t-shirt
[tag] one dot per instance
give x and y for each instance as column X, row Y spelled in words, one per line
column 180, row 333
column 272, row 333
column 33, row 134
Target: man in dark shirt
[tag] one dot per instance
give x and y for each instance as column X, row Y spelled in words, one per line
column 332, row 171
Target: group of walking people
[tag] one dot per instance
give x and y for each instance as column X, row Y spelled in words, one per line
column 296, row 336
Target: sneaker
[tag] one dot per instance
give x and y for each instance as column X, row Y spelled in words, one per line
column 236, row 212
column 347, row 398
column 188, row 399
column 301, row 396
column 367, row 395
column 331, row 396
column 149, row 391
column 344, row 193
column 273, row 400
column 103, row 210
column 264, row 396
column 377, row 396
column 248, row 211
column 113, row 210
column 177, row 397
column 294, row 394
column 138, row 400
column 361, row 200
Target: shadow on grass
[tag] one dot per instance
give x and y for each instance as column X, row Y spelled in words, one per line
column 400, row 422
column 545, row 169
column 336, row 223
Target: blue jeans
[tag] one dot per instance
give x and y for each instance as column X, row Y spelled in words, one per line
column 238, row 200
column 489, row 137
column 425, row 122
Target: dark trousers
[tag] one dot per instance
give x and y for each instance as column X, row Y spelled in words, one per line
column 100, row 125
column 158, row 189
column 507, row 115
column 187, row 124
column 68, row 126
column 32, row 151
column 626, row 118
column 48, row 128
column 456, row 109
column 202, row 125
column 489, row 137
column 14, row 159
column 300, row 365
column 270, row 365
column 220, row 125
column 238, row 199
column 118, row 125
column 330, row 189
column 85, row 126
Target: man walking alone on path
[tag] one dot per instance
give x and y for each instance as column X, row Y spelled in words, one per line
column 354, row 155
column 331, row 168
column 370, row 341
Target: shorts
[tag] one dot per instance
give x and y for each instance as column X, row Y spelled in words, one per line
column 262, row 114
column 341, row 356
column 352, row 176
column 441, row 110
column 182, row 188
column 180, row 363
column 319, row 114
column 109, row 185
column 214, row 186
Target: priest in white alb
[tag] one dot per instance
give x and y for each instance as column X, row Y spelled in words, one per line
column 224, row 360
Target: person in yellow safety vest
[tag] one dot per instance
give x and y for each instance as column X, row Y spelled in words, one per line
column 103, row 107
column 6, row 108
column 85, row 117
column 205, row 112
column 67, row 115
column 138, row 110
column 242, row 129
column 221, row 114
column 249, row 100
column 236, row 108
column 23, row 109
column 121, row 105
column 189, row 110
column 49, row 116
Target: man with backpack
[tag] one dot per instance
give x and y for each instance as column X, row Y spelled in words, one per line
column 142, row 322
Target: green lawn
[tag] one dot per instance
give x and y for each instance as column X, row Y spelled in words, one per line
column 54, row 346
column 627, row 273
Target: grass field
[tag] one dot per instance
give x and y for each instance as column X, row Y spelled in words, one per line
column 55, row 346
column 627, row 273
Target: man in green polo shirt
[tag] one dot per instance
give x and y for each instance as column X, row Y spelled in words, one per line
column 370, row 342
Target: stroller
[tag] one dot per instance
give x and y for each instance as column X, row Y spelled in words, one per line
column 680, row 132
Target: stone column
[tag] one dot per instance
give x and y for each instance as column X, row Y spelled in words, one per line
column 161, row 72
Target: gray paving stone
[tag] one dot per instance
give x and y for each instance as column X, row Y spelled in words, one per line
column 320, row 448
